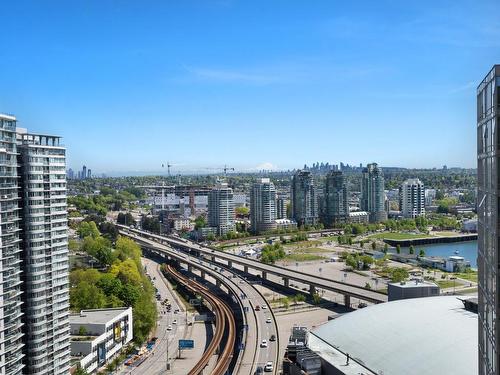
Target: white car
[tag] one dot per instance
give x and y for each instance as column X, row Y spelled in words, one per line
column 263, row 344
column 268, row 367
column 264, row 307
column 169, row 327
column 268, row 320
column 174, row 321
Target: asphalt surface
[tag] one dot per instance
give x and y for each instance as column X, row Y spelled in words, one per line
column 323, row 283
column 253, row 355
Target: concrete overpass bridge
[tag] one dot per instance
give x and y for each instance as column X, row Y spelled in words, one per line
column 287, row 275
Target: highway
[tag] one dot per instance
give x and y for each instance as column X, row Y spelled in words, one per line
column 314, row 281
column 259, row 329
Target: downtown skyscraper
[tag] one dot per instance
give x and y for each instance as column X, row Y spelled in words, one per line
column 34, row 289
column 488, row 261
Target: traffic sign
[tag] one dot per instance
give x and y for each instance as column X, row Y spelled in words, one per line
column 186, row 344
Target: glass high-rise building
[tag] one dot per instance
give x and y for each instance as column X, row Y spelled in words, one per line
column 488, row 262
column 336, row 199
column 263, row 206
column 34, row 288
column 373, row 194
column 304, row 200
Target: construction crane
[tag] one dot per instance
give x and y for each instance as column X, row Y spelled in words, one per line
column 168, row 167
column 225, row 169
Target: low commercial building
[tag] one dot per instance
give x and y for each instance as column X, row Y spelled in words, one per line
column 411, row 289
column 456, row 263
column 361, row 217
column 286, row 224
column 98, row 335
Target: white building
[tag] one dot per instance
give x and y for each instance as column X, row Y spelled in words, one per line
column 412, row 198
column 221, row 209
column 263, row 206
column 98, row 335
column 361, row 217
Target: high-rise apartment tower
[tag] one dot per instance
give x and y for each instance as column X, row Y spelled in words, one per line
column 488, row 260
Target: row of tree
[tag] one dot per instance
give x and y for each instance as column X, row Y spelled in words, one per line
column 120, row 283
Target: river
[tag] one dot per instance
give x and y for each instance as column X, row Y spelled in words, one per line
column 468, row 250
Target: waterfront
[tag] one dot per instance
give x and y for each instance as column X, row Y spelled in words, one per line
column 468, row 250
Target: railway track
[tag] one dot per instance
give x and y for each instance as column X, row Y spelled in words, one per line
column 225, row 326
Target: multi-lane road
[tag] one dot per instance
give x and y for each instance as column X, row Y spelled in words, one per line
column 260, row 321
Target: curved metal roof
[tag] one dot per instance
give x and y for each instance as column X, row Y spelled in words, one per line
column 434, row 335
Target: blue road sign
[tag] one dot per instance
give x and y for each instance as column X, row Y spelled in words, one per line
column 186, row 344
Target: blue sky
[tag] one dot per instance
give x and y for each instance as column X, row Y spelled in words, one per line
column 203, row 83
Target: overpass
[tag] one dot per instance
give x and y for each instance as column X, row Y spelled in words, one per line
column 287, row 275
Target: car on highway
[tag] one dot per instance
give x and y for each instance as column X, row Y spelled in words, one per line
column 169, row 327
column 268, row 320
column 174, row 321
column 257, row 308
column 268, row 367
column 263, row 344
column 264, row 307
column 258, row 370
column 272, row 338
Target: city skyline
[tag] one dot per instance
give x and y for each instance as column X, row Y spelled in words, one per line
column 197, row 92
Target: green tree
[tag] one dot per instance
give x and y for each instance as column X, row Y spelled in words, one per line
column 86, row 296
column 386, row 248
column 88, row 229
column 285, row 302
column 374, row 245
column 300, row 297
column 412, row 250
column 398, row 248
column 92, row 276
column 129, row 294
column 422, row 253
column 109, row 284
column 242, row 211
column 352, row 262
column 200, row 222
column 316, row 298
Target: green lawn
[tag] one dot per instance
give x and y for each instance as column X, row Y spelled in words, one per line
column 398, row 236
column 446, row 234
column 470, row 276
column 309, row 243
column 300, row 257
column 443, row 284
column 313, row 250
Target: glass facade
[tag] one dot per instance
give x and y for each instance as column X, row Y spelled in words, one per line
column 336, row 199
column 304, row 199
column 372, row 193
column 488, row 144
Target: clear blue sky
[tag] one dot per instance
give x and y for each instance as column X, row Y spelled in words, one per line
column 132, row 84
